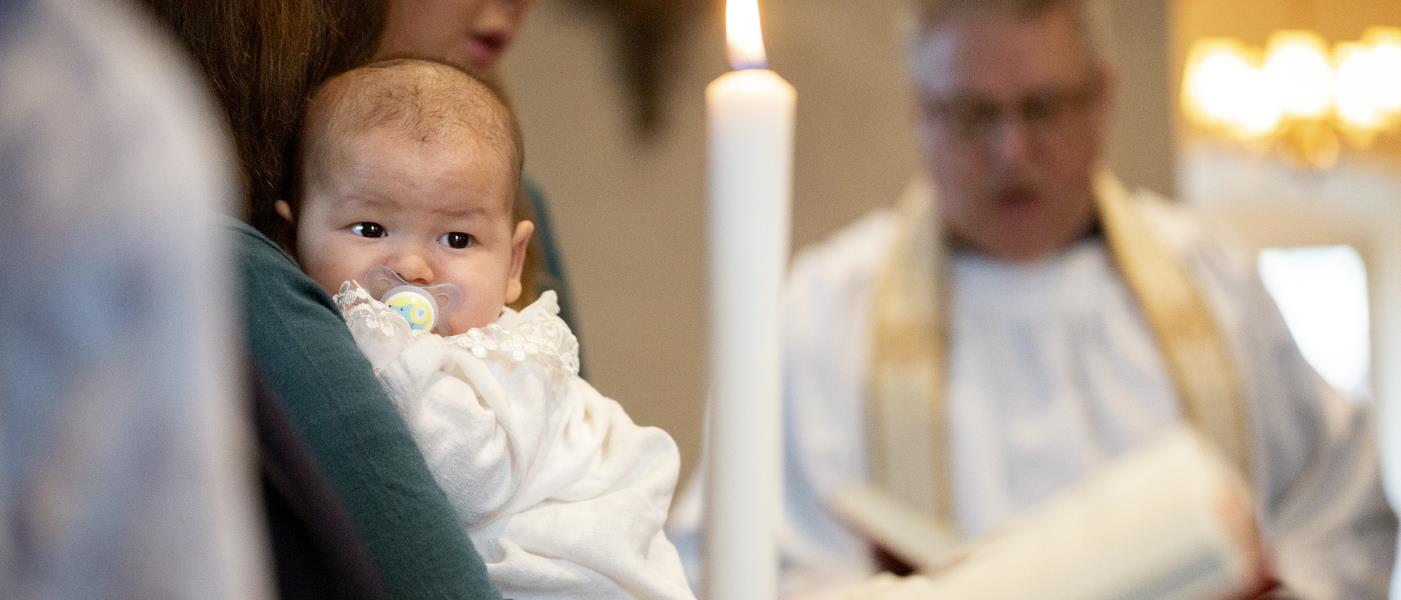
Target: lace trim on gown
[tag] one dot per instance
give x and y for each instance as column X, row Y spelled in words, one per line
column 535, row 334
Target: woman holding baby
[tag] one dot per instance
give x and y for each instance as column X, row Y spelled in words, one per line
column 263, row 59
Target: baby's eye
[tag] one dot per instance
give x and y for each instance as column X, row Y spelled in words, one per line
column 456, row 239
column 368, row 229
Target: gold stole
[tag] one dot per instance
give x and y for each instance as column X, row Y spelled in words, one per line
column 907, row 416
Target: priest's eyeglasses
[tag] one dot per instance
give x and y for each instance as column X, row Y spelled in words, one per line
column 1046, row 114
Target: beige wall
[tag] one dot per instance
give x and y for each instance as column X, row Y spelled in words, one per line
column 1252, row 21
column 1142, row 145
column 630, row 215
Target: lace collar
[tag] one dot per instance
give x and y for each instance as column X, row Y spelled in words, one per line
column 534, row 334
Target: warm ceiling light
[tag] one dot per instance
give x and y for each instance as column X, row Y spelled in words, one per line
column 1358, row 104
column 1385, row 44
column 1260, row 110
column 1215, row 69
column 1298, row 98
column 1227, row 88
column 1298, row 71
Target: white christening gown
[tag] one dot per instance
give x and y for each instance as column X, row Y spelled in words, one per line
column 562, row 494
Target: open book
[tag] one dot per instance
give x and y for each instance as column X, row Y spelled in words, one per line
column 1171, row 520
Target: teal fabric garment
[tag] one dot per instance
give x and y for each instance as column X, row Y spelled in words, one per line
column 306, row 356
column 551, row 276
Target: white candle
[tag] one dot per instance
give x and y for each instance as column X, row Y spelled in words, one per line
column 750, row 115
column 1386, row 374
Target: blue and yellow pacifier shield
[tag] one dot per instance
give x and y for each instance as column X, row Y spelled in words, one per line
column 416, row 306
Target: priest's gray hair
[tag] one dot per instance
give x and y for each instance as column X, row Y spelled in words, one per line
column 1091, row 18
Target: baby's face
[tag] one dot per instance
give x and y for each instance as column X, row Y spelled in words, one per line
column 435, row 212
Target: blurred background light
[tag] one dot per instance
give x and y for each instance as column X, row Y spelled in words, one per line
column 1298, row 95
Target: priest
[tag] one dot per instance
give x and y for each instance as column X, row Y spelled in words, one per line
column 1020, row 319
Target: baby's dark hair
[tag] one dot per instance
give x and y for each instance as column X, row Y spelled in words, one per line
column 421, row 100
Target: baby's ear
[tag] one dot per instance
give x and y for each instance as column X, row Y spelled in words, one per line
column 284, row 210
column 520, row 239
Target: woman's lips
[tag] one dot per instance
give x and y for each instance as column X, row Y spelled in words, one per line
column 485, row 48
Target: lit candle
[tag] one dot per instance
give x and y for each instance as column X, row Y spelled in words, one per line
column 750, row 115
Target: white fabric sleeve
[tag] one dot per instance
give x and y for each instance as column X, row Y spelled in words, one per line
column 1317, row 476
column 590, row 524
column 1325, row 519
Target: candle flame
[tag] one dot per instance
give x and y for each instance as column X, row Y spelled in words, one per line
column 742, row 31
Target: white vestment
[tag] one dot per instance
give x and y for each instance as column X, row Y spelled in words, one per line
column 1053, row 371
column 562, row 494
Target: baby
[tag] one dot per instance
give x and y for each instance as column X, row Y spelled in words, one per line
column 411, row 171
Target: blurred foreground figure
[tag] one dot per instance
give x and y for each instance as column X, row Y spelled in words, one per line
column 1021, row 319
column 124, row 469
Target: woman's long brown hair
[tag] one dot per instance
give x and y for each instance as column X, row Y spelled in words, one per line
column 262, row 59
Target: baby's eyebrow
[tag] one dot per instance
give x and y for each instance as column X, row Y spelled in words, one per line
column 363, row 200
column 465, row 211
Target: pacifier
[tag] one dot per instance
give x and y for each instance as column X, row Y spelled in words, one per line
column 424, row 307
